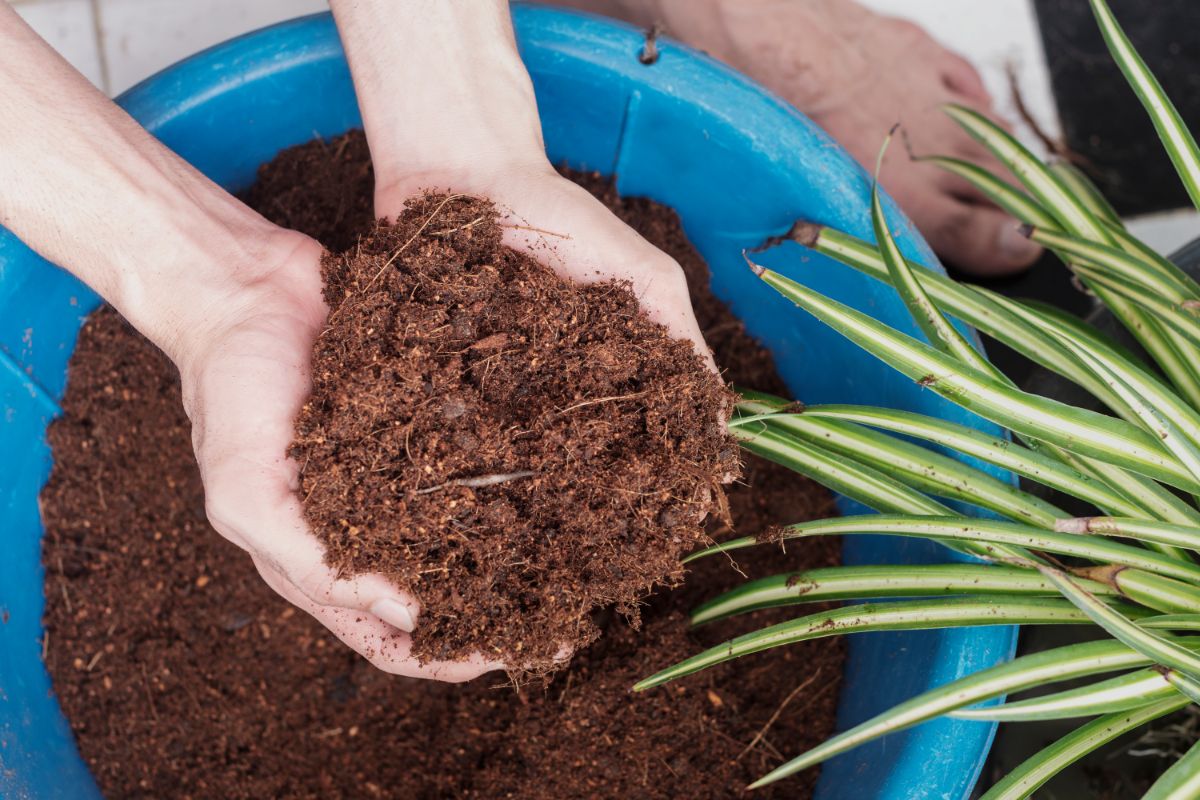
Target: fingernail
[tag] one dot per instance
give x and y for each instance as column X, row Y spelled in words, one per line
column 1015, row 247
column 394, row 613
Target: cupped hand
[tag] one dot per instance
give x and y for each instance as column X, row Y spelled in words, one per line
column 563, row 226
column 245, row 378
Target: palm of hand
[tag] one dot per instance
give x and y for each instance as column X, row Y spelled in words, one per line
column 242, row 391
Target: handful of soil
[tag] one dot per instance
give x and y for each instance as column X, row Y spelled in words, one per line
column 183, row 675
column 514, row 450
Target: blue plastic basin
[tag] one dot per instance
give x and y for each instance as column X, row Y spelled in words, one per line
column 736, row 163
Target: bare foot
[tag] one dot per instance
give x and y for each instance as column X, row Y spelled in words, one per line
column 856, row 74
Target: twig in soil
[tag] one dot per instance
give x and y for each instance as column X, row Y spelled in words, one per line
column 542, row 231
column 763, row 730
column 603, row 400
column 467, row 226
column 82, row 548
column 149, row 693
column 481, row 481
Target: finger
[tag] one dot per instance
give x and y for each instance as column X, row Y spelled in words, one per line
column 374, row 639
column 567, row 229
column 954, row 186
column 246, row 399
column 981, row 240
column 960, row 77
column 276, row 534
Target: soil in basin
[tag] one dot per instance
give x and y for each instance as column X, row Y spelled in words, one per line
column 183, row 675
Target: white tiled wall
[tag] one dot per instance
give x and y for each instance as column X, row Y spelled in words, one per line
column 70, row 27
column 140, row 37
column 116, row 43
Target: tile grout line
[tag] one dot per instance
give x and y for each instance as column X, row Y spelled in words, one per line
column 98, row 36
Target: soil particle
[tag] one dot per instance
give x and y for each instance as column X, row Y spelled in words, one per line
column 184, row 676
column 514, row 450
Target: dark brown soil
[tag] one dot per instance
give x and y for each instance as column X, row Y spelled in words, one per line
column 592, row 438
column 184, row 676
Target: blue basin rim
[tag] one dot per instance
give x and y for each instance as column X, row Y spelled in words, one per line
column 736, row 163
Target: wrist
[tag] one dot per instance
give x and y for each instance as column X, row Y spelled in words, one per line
column 441, row 86
column 198, row 267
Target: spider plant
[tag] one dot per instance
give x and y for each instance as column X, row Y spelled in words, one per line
column 1130, row 568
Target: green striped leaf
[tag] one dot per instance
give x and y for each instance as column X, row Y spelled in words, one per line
column 1157, row 419
column 1177, row 139
column 1116, row 261
column 1167, row 312
column 1136, row 247
column 1182, row 536
column 1122, row 693
column 1082, row 187
column 1073, row 216
column 1181, row 781
column 860, row 483
column 961, row 301
column 1163, row 594
column 969, row 441
column 1075, row 429
column 911, row 464
column 896, row 615
column 1152, row 645
column 984, row 531
column 1188, row 687
column 1013, row 200
column 1048, row 762
column 1024, row 672
column 879, row 581
column 940, row 333
column 1047, row 188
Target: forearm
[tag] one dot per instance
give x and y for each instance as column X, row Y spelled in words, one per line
column 441, row 86
column 89, row 189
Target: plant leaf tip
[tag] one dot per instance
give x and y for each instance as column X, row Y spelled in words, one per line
column 757, row 269
column 1025, row 229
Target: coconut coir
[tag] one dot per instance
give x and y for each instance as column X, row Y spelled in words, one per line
column 183, row 675
column 512, row 449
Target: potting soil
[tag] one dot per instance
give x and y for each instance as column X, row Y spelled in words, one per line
column 184, row 676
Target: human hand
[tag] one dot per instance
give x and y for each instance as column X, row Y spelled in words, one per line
column 856, row 74
column 485, row 140
column 566, row 228
column 245, row 377
column 233, row 300
column 471, row 126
